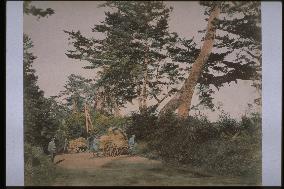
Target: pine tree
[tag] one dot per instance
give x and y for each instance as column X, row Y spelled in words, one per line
column 41, row 115
column 35, row 11
column 78, row 90
column 240, row 36
column 137, row 57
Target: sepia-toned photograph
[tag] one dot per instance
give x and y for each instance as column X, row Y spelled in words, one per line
column 142, row 93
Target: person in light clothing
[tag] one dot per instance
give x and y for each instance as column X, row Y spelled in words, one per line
column 95, row 146
column 131, row 143
column 52, row 148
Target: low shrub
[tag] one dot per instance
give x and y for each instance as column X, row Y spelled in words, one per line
column 60, row 137
column 226, row 147
column 142, row 125
column 38, row 170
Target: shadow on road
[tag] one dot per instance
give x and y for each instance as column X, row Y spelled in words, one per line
column 59, row 161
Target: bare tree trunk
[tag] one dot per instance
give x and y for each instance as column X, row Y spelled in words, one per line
column 86, row 118
column 196, row 70
column 172, row 105
column 139, row 97
column 99, row 100
column 74, row 108
column 116, row 110
column 144, row 94
column 144, row 88
column 182, row 100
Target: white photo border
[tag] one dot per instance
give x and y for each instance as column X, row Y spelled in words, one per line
column 272, row 88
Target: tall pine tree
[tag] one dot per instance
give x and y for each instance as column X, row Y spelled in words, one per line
column 138, row 57
column 41, row 115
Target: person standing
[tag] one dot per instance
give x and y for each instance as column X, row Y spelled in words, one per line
column 131, row 143
column 52, row 148
column 89, row 143
column 65, row 145
column 95, row 146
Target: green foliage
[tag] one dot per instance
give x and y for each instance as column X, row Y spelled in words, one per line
column 142, row 125
column 75, row 125
column 30, row 9
column 227, row 147
column 102, row 122
column 39, row 170
column 239, row 39
column 60, row 135
column 78, row 89
column 41, row 115
column 137, row 44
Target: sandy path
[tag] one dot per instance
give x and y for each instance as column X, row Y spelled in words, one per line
column 82, row 169
column 87, row 161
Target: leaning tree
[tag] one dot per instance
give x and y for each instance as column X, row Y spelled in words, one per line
column 233, row 30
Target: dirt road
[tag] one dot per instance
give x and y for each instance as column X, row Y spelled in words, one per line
column 83, row 170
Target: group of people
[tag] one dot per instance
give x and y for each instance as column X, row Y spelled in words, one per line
column 93, row 146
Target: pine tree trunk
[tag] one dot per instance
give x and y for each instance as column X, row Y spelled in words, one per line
column 116, row 110
column 86, row 119
column 139, row 97
column 144, row 94
column 74, row 108
column 171, row 106
column 144, row 88
column 99, row 100
column 196, row 70
column 182, row 100
column 142, row 99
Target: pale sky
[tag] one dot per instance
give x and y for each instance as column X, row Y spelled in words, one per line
column 53, row 66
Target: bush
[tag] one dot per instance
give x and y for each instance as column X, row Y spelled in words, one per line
column 178, row 139
column 60, row 136
column 227, row 147
column 142, row 125
column 39, row 170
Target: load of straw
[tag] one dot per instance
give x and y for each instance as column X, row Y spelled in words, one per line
column 77, row 145
column 114, row 143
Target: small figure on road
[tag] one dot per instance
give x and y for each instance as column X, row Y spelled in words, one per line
column 52, row 148
column 65, row 145
column 89, row 143
column 131, row 143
